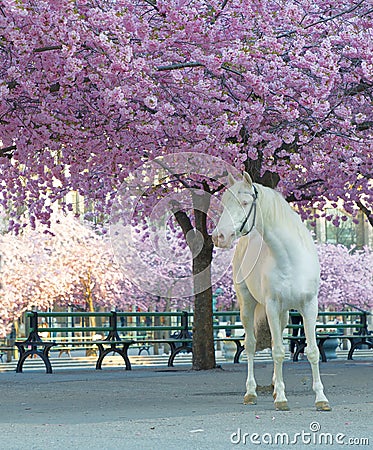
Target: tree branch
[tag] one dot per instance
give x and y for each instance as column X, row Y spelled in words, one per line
column 47, row 49
column 228, row 69
column 370, row 11
column 223, row 5
column 181, row 218
column 366, row 211
column 293, row 198
column 171, row 172
column 152, row 3
column 7, row 152
column 327, row 19
column 177, row 66
column 357, row 89
column 364, row 125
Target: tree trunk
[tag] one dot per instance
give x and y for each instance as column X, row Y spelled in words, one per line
column 203, row 336
column 90, row 321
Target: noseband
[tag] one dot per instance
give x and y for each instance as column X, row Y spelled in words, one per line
column 252, row 208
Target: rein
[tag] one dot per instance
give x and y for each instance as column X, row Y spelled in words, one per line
column 253, row 207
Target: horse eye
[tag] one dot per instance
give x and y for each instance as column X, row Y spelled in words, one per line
column 245, row 203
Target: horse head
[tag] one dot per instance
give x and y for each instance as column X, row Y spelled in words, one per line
column 239, row 211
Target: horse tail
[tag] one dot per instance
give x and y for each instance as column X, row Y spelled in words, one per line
column 261, row 328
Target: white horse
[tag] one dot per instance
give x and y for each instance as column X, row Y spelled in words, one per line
column 275, row 268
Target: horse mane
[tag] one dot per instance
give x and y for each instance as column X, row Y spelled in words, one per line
column 276, row 210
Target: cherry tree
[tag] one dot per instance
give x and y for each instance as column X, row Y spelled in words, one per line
column 283, row 87
column 70, row 265
column 91, row 278
column 91, row 90
column 27, row 278
column 346, row 277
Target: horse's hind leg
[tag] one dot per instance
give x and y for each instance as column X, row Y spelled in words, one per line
column 247, row 309
column 276, row 323
column 309, row 320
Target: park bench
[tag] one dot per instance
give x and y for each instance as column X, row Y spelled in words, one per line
column 358, row 320
column 112, row 343
column 119, row 338
column 324, row 332
column 177, row 337
column 229, row 330
column 35, row 345
column 183, row 339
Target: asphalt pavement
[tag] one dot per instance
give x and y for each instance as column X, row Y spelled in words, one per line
column 177, row 408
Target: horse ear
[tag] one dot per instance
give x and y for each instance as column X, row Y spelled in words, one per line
column 231, row 179
column 247, row 179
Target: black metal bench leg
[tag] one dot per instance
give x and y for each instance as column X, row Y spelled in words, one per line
column 124, row 354
column 355, row 345
column 300, row 346
column 21, row 360
column 175, row 351
column 26, row 354
column 46, row 360
column 144, row 348
column 101, row 356
column 104, row 352
column 351, row 351
column 239, row 349
column 321, row 349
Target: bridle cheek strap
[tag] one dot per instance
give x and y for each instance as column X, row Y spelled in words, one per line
column 252, row 209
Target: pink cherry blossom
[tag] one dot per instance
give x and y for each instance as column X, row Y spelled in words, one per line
column 90, row 91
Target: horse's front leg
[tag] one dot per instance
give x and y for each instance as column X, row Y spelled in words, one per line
column 313, row 355
column 250, row 341
column 276, row 324
column 247, row 308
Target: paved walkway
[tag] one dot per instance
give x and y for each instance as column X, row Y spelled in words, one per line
column 159, row 408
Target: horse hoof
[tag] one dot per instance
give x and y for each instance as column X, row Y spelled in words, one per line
column 249, row 399
column 281, row 406
column 323, row 406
